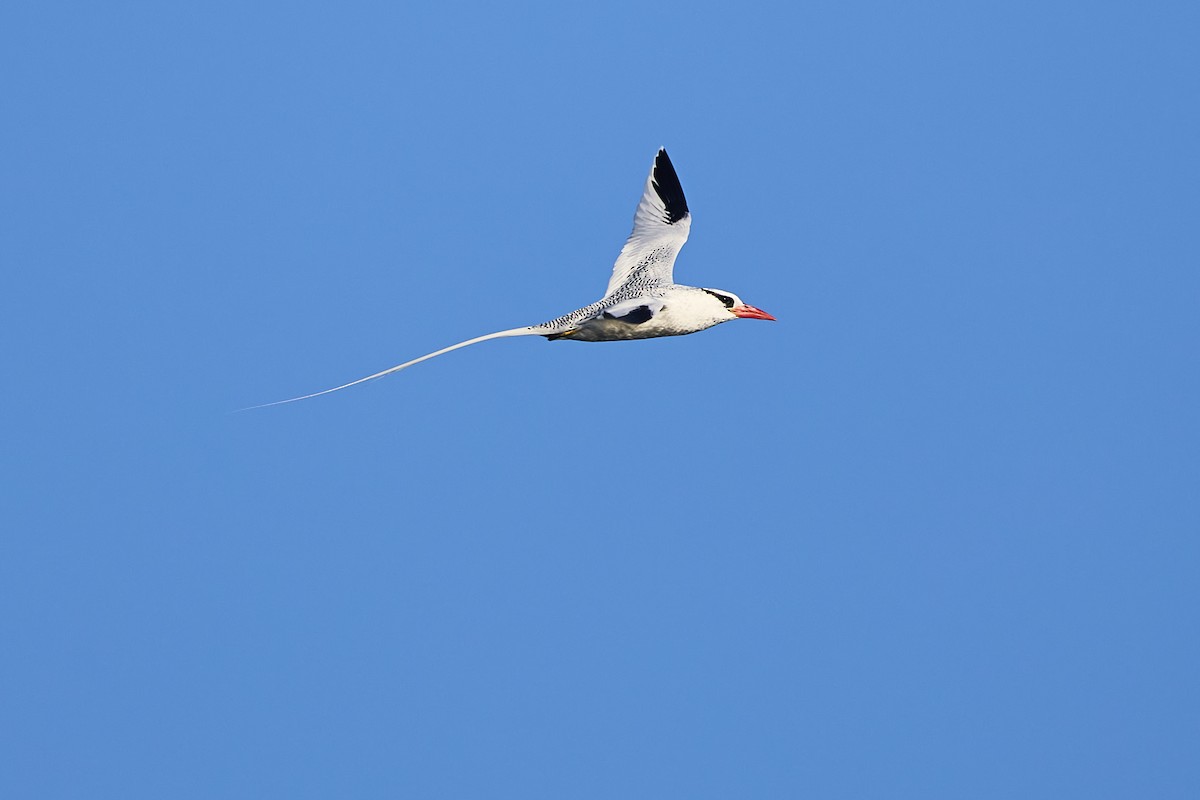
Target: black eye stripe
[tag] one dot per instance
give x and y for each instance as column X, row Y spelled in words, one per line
column 724, row 298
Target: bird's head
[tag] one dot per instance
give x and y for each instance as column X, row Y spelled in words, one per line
column 734, row 306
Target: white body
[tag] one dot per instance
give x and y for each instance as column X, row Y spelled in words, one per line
column 674, row 311
column 642, row 300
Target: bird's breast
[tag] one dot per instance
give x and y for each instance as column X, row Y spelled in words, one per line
column 607, row 328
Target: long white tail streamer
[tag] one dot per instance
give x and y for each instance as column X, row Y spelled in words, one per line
column 499, row 334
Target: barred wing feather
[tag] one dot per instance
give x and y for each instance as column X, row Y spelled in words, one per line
column 660, row 227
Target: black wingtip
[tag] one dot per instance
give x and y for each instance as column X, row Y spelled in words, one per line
column 666, row 183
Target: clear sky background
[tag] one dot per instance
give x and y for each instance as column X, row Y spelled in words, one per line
column 935, row 533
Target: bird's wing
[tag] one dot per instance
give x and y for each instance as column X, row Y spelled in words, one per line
column 660, row 227
column 476, row 340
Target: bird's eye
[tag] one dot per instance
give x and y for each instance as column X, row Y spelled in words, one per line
column 724, row 298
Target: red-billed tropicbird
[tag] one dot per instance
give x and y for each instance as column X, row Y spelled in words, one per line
column 642, row 301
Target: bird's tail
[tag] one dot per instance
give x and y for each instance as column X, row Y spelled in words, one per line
column 529, row 331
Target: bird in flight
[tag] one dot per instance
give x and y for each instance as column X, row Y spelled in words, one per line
column 642, row 300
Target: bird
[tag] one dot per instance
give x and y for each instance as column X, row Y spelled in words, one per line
column 642, row 300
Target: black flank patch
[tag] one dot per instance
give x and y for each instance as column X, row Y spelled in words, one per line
column 666, row 183
column 636, row 317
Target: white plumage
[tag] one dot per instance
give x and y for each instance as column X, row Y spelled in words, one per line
column 655, row 241
column 642, row 300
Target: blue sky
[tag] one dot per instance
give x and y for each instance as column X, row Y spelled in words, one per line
column 932, row 534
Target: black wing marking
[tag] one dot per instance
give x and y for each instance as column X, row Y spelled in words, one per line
column 668, row 188
column 635, row 317
column 660, row 227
